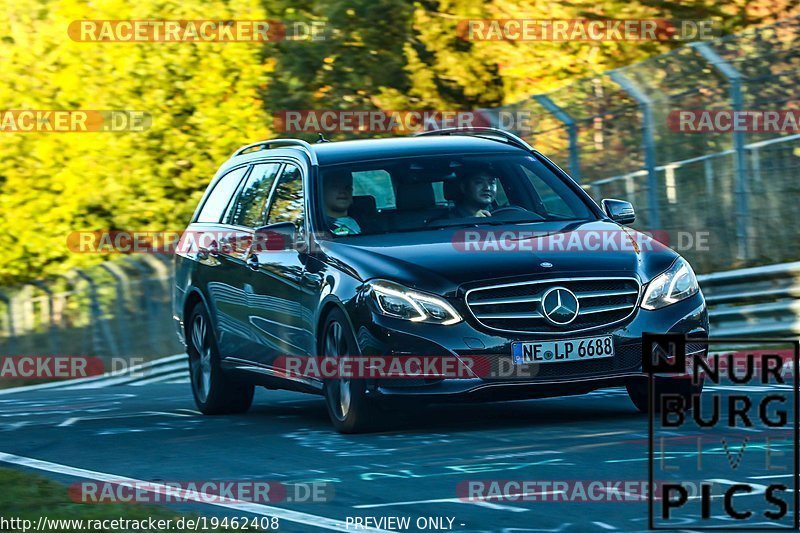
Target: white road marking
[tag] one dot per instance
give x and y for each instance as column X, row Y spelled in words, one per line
column 72, row 420
column 520, row 454
column 192, row 411
column 149, row 486
column 173, row 376
column 605, row 434
column 51, row 385
column 747, row 388
column 773, row 476
column 16, row 425
column 604, row 525
column 182, row 381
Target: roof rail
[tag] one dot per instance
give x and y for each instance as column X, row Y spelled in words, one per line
column 481, row 132
column 279, row 143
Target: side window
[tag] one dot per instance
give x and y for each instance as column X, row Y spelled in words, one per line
column 249, row 209
column 287, row 202
column 502, row 197
column 438, row 193
column 219, row 197
column 553, row 202
column 375, row 183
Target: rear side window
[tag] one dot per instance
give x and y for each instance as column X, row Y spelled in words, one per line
column 287, row 202
column 220, row 196
column 249, row 209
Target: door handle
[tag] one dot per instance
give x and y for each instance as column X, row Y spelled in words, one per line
column 252, row 262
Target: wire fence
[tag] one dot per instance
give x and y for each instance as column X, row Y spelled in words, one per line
column 617, row 133
column 613, row 132
column 118, row 309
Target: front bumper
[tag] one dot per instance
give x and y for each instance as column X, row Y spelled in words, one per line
column 378, row 335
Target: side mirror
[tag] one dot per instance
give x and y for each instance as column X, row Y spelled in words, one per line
column 619, row 211
column 275, row 237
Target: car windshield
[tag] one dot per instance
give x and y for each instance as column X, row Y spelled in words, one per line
column 414, row 194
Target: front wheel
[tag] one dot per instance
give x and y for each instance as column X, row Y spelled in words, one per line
column 214, row 392
column 683, row 387
column 349, row 408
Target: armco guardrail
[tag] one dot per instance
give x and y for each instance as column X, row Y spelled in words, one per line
column 759, row 301
column 129, row 314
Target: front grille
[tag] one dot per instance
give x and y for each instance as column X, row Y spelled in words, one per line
column 517, row 307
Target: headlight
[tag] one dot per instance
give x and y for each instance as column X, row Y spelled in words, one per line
column 674, row 285
column 396, row 301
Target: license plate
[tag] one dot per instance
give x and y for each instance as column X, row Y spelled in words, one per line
column 525, row 353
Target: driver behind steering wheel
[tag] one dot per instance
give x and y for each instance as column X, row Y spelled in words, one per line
column 478, row 191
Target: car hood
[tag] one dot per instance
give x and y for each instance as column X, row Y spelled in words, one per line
column 444, row 260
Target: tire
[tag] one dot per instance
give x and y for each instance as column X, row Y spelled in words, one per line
column 638, row 392
column 349, row 407
column 214, row 392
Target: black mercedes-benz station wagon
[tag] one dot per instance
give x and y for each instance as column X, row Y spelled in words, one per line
column 465, row 244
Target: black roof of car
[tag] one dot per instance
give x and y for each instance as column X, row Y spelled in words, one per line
column 332, row 153
column 432, row 144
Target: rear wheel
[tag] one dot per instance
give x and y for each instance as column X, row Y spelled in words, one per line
column 683, row 387
column 214, row 392
column 349, row 408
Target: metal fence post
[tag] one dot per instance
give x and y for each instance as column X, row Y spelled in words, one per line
column 87, row 342
column 98, row 324
column 122, row 321
column 648, row 142
column 51, row 319
column 742, row 191
column 162, row 266
column 572, row 132
column 11, row 331
column 145, row 301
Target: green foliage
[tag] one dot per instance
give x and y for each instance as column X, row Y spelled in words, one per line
column 29, row 496
column 206, row 99
column 203, row 99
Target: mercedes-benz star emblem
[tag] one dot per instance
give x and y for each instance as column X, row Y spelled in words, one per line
column 560, row 306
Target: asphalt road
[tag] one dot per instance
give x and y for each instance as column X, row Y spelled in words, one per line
column 415, row 470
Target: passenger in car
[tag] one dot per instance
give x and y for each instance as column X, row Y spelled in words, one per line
column 338, row 197
column 476, row 191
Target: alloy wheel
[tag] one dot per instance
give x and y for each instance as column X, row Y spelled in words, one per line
column 201, row 359
column 339, row 395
